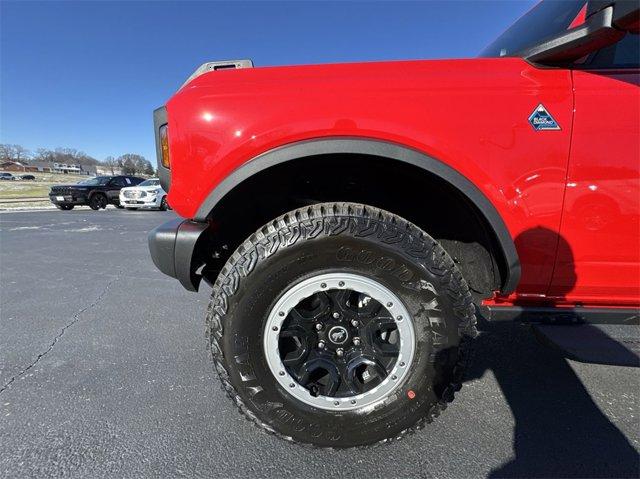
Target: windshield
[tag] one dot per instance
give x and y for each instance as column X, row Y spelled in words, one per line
column 547, row 18
column 151, row 182
column 97, row 181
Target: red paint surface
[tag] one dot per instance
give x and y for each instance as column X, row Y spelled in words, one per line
column 580, row 18
column 601, row 218
column 470, row 114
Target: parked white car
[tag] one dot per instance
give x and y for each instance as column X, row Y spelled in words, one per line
column 148, row 194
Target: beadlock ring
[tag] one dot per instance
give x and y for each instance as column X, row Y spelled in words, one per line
column 348, row 281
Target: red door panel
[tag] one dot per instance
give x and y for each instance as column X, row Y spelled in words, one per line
column 601, row 220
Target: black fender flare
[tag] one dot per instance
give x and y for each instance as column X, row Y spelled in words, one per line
column 365, row 146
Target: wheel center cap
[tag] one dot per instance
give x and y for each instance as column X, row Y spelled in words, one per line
column 338, row 335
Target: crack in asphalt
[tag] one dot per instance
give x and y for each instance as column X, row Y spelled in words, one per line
column 74, row 320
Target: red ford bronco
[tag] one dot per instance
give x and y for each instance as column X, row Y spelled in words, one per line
column 355, row 219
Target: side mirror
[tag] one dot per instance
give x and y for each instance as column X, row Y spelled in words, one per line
column 626, row 16
column 602, row 28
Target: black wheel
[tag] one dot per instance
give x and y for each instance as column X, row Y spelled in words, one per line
column 98, row 201
column 340, row 325
column 65, row 207
column 164, row 205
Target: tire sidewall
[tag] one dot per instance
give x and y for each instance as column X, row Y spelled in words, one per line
column 415, row 278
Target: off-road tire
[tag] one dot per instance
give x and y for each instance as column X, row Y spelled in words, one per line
column 97, row 201
column 348, row 238
column 65, row 207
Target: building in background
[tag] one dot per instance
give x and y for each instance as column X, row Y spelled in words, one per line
column 40, row 166
column 55, row 167
column 66, row 168
column 13, row 166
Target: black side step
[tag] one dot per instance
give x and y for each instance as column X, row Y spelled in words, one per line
column 591, row 335
column 613, row 344
column 548, row 315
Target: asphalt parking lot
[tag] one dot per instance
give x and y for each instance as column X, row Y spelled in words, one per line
column 104, row 372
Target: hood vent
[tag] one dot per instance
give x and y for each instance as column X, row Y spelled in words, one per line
column 214, row 66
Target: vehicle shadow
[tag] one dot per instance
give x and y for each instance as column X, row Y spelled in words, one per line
column 559, row 430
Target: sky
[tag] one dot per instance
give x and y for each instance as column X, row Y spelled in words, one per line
column 88, row 75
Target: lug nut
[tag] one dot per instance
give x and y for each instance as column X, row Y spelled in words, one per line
column 321, row 345
column 354, row 323
column 319, row 326
column 336, row 315
column 340, row 352
column 356, row 341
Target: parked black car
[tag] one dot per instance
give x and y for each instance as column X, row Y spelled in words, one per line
column 95, row 192
column 28, row 177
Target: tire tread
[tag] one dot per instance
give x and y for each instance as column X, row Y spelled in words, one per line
column 307, row 223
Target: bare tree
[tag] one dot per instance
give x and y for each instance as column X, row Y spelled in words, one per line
column 14, row 153
column 22, row 154
column 111, row 163
column 44, row 154
column 5, row 152
column 129, row 163
column 148, row 168
column 133, row 164
column 73, row 156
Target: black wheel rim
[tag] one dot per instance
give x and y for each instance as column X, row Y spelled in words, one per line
column 339, row 341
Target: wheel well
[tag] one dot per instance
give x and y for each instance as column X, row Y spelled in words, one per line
column 411, row 192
